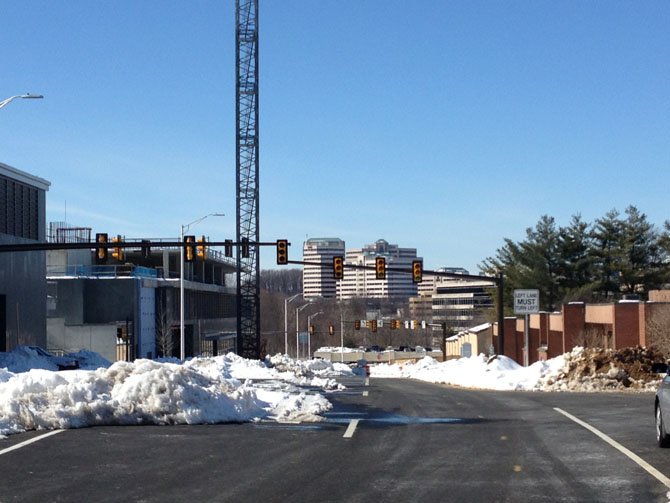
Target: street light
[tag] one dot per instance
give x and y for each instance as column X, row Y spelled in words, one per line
column 309, row 334
column 297, row 330
column 286, row 301
column 185, row 228
column 26, row 96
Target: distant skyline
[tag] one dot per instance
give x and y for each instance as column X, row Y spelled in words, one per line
column 436, row 125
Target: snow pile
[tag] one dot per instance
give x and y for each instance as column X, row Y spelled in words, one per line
column 497, row 373
column 580, row 370
column 202, row 390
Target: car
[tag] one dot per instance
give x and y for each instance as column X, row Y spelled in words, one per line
column 662, row 408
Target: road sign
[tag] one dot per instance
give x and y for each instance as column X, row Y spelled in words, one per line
column 526, row 301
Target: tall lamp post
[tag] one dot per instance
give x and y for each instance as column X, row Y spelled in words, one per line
column 26, row 96
column 309, row 334
column 297, row 330
column 184, row 229
column 286, row 301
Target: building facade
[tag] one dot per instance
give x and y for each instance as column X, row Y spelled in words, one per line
column 22, row 274
column 129, row 308
column 359, row 282
column 317, row 280
column 461, row 303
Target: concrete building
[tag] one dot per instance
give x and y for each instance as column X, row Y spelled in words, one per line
column 22, row 274
column 461, row 303
column 429, row 283
column 317, row 280
column 363, row 283
column 91, row 305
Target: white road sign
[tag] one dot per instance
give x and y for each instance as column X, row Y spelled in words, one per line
column 526, row 301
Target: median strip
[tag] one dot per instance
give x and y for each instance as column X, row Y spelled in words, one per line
column 27, row 442
column 650, row 469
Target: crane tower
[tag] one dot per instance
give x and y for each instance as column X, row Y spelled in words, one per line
column 248, row 260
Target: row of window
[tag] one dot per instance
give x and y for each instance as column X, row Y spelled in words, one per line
column 19, row 209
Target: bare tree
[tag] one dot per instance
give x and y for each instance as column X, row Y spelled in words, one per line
column 592, row 337
column 165, row 320
column 658, row 327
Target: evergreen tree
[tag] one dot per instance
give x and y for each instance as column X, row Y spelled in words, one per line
column 641, row 268
column 575, row 260
column 607, row 255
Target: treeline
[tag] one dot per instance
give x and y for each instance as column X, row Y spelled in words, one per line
column 615, row 256
column 286, row 281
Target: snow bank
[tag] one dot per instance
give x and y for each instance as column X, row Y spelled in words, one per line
column 499, row 373
column 227, row 388
column 579, row 370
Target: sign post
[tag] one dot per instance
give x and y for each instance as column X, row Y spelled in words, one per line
column 526, row 302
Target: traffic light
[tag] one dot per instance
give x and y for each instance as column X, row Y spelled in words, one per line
column 357, row 324
column 282, row 252
column 380, row 268
column 338, row 267
column 417, row 271
column 117, row 252
column 373, row 325
column 201, row 248
column 245, row 247
column 394, row 324
column 101, row 252
column 331, row 329
column 311, row 330
column 228, row 247
column 189, row 248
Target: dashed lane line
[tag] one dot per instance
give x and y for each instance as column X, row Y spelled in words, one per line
column 650, row 469
column 27, row 442
column 351, row 429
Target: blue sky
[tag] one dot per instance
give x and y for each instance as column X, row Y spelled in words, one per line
column 441, row 125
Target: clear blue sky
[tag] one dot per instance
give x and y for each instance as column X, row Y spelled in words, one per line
column 441, row 125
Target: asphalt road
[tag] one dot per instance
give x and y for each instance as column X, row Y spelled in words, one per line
column 391, row 440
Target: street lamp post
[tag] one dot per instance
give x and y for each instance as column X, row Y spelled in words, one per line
column 286, row 301
column 297, row 330
column 309, row 334
column 26, row 96
column 184, row 229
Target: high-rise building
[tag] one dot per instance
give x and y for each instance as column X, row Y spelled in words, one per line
column 317, row 280
column 359, row 282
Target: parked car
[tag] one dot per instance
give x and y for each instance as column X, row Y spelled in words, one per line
column 662, row 408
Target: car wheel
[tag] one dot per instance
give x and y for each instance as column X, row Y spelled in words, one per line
column 661, row 436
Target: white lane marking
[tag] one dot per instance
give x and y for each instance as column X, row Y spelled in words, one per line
column 653, row 471
column 27, row 442
column 365, row 393
column 367, row 381
column 351, row 428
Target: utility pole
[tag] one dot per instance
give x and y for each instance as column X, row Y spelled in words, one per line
column 248, row 251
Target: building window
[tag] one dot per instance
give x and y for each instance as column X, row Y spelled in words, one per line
column 18, row 209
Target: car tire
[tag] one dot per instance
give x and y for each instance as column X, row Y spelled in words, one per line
column 662, row 437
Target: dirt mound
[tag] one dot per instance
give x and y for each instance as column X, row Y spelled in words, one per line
column 596, row 369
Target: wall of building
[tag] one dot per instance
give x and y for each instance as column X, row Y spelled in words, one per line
column 617, row 325
column 22, row 274
column 100, row 338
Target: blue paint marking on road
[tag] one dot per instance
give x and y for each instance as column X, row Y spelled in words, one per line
column 395, row 419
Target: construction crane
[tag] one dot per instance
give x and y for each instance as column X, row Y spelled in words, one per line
column 248, row 259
